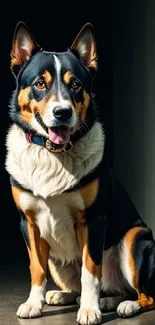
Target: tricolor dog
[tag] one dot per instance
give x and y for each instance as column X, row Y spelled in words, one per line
column 76, row 218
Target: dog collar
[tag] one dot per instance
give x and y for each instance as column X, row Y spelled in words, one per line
column 52, row 147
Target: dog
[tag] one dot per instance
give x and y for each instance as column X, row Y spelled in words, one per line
column 77, row 219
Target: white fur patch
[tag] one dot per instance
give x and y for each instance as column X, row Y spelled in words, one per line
column 47, row 174
column 34, row 304
column 128, row 308
column 89, row 312
column 48, row 117
column 54, row 219
column 58, row 71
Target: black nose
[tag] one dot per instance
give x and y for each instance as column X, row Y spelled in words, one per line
column 62, row 113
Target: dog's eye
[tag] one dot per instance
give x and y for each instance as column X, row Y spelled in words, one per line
column 40, row 84
column 75, row 85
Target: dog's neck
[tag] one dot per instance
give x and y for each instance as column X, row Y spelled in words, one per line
column 52, row 147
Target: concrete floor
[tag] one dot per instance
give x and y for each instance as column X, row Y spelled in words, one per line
column 14, row 289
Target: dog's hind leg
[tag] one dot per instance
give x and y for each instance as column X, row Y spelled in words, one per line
column 134, row 267
column 67, row 277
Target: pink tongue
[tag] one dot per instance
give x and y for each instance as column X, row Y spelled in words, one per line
column 58, row 135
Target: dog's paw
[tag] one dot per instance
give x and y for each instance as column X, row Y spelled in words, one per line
column 28, row 310
column 55, row 297
column 128, row 308
column 90, row 316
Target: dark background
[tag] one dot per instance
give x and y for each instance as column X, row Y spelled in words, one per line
column 54, row 27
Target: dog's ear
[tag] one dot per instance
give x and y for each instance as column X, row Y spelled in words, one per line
column 23, row 45
column 84, row 46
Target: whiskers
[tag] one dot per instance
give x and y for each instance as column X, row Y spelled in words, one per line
column 83, row 126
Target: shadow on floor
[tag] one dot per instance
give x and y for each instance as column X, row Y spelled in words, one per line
column 14, row 290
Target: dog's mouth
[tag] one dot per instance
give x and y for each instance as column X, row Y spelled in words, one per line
column 59, row 134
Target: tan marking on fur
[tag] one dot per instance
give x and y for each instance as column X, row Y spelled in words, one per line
column 81, row 108
column 47, row 77
column 67, row 77
column 79, row 217
column 42, row 105
column 14, row 61
column 144, row 301
column 82, row 235
column 24, row 103
column 89, row 193
column 52, row 98
column 29, row 107
column 16, row 195
column 23, row 99
column 39, row 251
column 29, row 252
column 80, row 224
column 85, row 105
column 55, row 275
column 129, row 240
column 78, row 107
column 92, row 63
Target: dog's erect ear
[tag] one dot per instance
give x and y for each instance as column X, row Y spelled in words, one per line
column 23, row 45
column 85, row 46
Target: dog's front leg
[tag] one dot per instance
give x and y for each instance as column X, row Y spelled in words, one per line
column 38, row 250
column 89, row 312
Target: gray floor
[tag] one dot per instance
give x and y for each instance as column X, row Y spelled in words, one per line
column 14, row 289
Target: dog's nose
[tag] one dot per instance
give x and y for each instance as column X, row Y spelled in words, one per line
column 64, row 113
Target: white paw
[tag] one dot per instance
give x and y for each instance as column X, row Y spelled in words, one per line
column 28, row 310
column 86, row 316
column 128, row 308
column 55, row 297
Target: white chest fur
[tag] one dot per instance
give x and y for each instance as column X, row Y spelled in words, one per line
column 47, row 174
column 56, row 223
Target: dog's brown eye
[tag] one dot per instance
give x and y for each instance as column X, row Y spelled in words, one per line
column 75, row 85
column 40, row 84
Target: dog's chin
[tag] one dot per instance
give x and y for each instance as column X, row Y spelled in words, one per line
column 59, row 134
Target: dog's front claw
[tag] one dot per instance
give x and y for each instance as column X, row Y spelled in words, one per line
column 28, row 310
column 86, row 316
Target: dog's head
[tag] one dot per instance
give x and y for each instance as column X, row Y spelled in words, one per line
column 53, row 93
